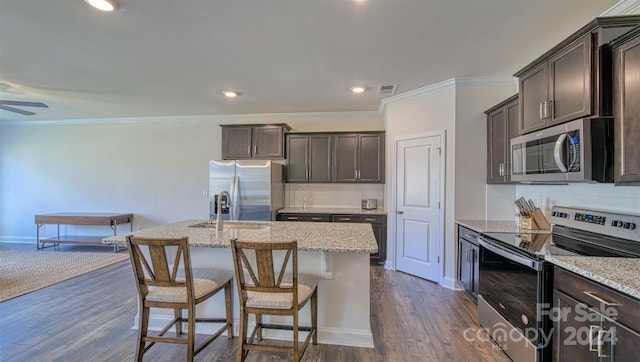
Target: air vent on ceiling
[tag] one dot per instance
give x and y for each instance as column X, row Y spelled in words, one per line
column 387, row 89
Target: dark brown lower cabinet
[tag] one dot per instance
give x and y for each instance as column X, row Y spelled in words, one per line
column 468, row 251
column 378, row 224
column 592, row 322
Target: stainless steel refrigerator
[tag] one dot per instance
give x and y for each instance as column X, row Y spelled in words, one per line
column 256, row 189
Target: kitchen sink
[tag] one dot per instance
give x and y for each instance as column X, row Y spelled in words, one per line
column 232, row 225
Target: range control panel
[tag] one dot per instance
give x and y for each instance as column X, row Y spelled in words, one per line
column 625, row 226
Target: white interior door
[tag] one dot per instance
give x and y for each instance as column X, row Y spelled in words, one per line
column 418, row 227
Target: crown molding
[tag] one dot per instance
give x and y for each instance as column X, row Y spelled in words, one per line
column 624, row 7
column 232, row 118
column 449, row 83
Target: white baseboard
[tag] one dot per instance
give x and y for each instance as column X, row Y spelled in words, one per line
column 337, row 336
column 450, row 283
column 18, row 239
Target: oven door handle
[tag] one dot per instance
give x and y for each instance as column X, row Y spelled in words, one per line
column 505, row 253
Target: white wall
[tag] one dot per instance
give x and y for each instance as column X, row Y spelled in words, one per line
column 333, row 195
column 457, row 107
column 592, row 196
column 154, row 168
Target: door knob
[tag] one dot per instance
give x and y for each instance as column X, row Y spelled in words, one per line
column 399, row 212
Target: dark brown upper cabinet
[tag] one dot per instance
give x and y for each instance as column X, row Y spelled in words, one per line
column 309, row 157
column 573, row 79
column 358, row 157
column 502, row 125
column 253, row 141
column 626, row 57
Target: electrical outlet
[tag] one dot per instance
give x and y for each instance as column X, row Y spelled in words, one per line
column 205, row 192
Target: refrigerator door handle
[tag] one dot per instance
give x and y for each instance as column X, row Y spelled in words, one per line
column 235, row 198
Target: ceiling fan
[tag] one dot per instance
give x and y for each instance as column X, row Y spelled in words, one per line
column 7, row 106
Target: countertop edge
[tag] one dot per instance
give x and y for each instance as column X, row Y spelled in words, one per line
column 200, row 237
column 497, row 226
column 331, row 210
column 594, row 276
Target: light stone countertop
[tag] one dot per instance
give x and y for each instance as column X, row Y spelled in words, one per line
column 620, row 274
column 489, row 226
column 331, row 210
column 311, row 236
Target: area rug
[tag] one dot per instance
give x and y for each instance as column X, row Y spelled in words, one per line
column 23, row 271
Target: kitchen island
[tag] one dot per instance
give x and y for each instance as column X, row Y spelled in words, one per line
column 336, row 252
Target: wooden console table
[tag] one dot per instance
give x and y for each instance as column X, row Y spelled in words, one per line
column 80, row 218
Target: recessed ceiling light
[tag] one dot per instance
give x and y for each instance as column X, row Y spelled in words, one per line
column 230, row 93
column 104, row 5
column 358, row 89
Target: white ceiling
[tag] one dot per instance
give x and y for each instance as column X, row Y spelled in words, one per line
column 174, row 57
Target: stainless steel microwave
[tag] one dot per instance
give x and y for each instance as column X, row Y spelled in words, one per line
column 577, row 151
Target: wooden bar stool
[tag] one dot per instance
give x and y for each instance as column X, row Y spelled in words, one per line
column 263, row 289
column 173, row 286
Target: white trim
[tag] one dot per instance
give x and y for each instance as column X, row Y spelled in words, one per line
column 415, row 93
column 391, row 208
column 450, row 283
column 449, row 83
column 18, row 239
column 623, row 7
column 231, row 118
column 326, row 335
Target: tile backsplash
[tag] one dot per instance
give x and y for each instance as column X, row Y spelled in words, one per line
column 332, row 195
column 592, row 196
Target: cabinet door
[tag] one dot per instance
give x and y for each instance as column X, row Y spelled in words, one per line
column 371, row 158
column 573, row 335
column 268, row 142
column 621, row 344
column 513, row 118
column 497, row 144
column 380, row 231
column 533, row 92
column 465, row 269
column 236, row 142
column 627, row 112
column 475, row 281
column 297, row 158
column 319, row 158
column 345, row 158
column 570, row 82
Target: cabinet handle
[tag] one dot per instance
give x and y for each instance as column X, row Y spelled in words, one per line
column 316, row 218
column 593, row 329
column 600, row 341
column 469, row 236
column 255, row 150
column 292, row 218
column 599, row 299
column 345, row 219
column 541, row 111
column 370, row 219
column 501, row 168
column 549, row 109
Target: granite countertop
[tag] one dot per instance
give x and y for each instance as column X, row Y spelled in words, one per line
column 620, row 274
column 311, row 236
column 331, row 210
column 489, row 226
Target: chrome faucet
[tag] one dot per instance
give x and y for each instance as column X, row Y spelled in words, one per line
column 219, row 210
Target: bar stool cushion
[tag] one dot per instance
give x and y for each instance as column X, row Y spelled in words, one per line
column 306, row 285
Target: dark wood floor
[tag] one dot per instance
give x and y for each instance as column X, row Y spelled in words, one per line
column 89, row 318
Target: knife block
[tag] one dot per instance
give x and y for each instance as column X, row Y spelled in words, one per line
column 537, row 221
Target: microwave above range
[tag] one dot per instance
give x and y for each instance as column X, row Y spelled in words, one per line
column 577, row 151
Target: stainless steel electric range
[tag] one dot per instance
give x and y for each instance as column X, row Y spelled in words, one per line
column 516, row 282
